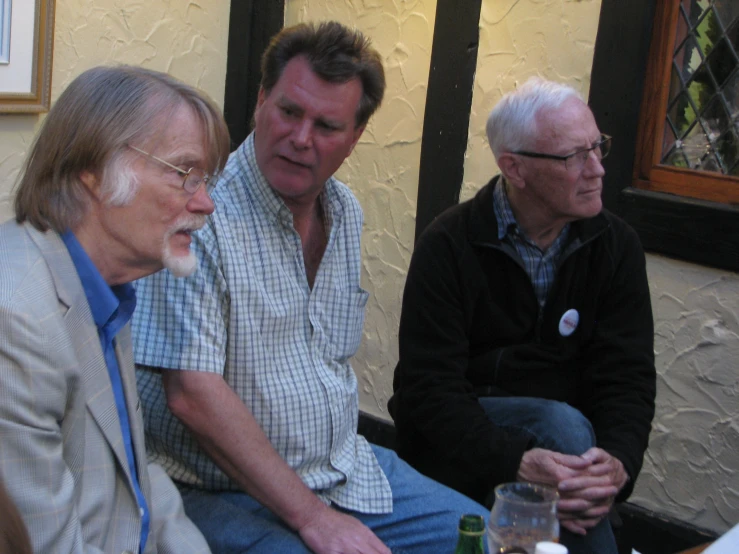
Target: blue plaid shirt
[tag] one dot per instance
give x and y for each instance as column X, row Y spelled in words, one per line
column 541, row 267
column 249, row 315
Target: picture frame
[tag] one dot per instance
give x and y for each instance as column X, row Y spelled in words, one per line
column 26, row 52
column 4, row 31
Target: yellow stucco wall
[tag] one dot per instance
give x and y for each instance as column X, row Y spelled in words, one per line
column 383, row 170
column 691, row 466
column 186, row 38
column 519, row 39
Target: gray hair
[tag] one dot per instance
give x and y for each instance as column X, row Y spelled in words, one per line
column 89, row 128
column 511, row 125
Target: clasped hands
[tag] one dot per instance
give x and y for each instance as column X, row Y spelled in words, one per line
column 587, row 484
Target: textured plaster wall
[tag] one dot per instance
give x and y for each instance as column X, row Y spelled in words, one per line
column 518, row 39
column 691, row 468
column 186, row 38
column 383, row 170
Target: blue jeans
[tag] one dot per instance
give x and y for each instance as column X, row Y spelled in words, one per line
column 560, row 427
column 424, row 519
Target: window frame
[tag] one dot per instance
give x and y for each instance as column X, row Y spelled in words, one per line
column 649, row 174
column 624, row 78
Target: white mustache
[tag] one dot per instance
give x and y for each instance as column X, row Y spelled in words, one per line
column 191, row 222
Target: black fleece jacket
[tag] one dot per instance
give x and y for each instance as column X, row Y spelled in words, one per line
column 471, row 327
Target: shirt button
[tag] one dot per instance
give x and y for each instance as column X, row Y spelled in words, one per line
column 141, row 512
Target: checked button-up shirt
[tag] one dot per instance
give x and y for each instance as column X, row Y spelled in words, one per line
column 249, row 315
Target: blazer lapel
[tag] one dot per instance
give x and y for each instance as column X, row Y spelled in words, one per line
column 124, row 351
column 98, row 389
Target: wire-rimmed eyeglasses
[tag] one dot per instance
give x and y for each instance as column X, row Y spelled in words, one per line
column 577, row 160
column 191, row 178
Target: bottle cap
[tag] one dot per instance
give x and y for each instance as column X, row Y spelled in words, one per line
column 549, row 548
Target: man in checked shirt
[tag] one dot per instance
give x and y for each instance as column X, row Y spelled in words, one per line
column 250, row 401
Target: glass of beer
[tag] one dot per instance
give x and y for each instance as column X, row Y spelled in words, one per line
column 522, row 515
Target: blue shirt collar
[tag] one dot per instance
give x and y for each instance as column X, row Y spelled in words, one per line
column 109, row 305
column 503, row 212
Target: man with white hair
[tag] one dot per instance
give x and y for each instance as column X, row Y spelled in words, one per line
column 526, row 336
column 114, row 185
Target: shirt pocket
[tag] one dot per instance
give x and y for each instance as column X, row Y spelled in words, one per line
column 342, row 320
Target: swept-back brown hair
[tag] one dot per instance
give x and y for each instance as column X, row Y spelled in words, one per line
column 336, row 54
column 102, row 111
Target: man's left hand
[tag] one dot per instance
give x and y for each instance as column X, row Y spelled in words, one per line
column 588, row 497
column 608, row 468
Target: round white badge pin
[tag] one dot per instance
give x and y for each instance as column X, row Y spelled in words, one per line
column 568, row 322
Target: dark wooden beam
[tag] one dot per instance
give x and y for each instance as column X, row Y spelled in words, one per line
column 616, row 85
column 684, row 228
column 252, row 23
column 448, row 105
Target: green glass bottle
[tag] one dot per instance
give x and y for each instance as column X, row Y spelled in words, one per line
column 471, row 530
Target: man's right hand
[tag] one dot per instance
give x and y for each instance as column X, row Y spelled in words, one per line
column 332, row 532
column 539, row 465
column 581, row 507
column 227, row 431
column 586, row 499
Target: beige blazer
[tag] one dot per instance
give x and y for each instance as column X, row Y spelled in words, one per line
column 62, row 457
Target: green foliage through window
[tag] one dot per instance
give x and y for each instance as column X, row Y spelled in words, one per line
column 702, row 120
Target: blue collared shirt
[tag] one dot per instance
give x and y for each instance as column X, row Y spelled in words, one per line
column 112, row 308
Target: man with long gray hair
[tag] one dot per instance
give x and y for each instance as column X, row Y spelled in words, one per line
column 526, row 331
column 115, row 183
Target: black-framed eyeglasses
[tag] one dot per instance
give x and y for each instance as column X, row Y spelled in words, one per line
column 577, row 160
column 191, row 178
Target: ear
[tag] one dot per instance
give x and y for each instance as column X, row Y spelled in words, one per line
column 512, row 169
column 91, row 182
column 261, row 97
column 355, row 138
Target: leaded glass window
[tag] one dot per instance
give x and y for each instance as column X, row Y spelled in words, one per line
column 701, row 130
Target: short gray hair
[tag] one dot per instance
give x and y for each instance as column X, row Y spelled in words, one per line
column 88, row 129
column 511, row 125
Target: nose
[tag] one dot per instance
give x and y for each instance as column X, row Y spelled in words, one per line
column 302, row 136
column 594, row 165
column 201, row 202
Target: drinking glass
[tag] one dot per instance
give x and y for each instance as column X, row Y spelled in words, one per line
column 522, row 515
